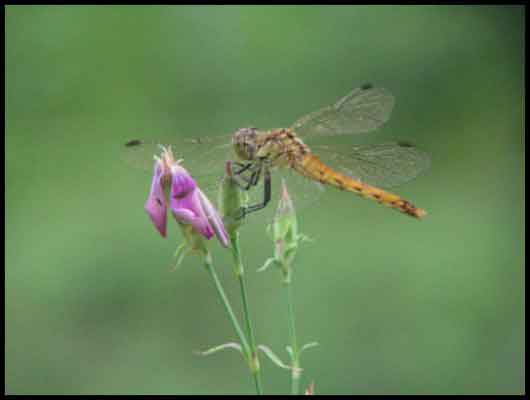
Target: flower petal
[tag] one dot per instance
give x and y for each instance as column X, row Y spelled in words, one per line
column 185, row 202
column 189, row 205
column 156, row 205
column 181, row 182
column 213, row 218
column 187, row 216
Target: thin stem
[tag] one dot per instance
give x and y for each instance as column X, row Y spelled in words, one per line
column 240, row 273
column 226, row 304
column 295, row 374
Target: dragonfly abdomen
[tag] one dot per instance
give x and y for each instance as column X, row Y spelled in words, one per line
column 313, row 168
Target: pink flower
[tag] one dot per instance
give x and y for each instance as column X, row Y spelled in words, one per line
column 187, row 202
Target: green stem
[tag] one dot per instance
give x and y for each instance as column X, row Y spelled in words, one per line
column 226, row 304
column 295, row 374
column 240, row 273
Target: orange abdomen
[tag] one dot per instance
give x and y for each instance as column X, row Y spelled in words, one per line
column 311, row 167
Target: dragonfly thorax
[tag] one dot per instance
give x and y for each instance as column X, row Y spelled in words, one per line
column 244, row 142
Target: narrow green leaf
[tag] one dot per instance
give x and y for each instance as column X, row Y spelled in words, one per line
column 267, row 264
column 229, row 345
column 308, row 346
column 275, row 359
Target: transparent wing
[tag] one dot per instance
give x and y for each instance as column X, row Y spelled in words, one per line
column 203, row 157
column 305, row 194
column 384, row 165
column 362, row 110
column 138, row 153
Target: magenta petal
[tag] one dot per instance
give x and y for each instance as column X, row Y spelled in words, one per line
column 185, row 216
column 181, row 183
column 190, row 206
column 185, row 203
column 187, row 210
column 156, row 204
column 213, row 218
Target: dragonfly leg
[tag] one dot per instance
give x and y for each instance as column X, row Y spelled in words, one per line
column 244, row 182
column 243, row 167
column 267, row 192
column 254, row 179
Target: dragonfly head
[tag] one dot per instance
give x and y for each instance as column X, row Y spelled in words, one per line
column 244, row 141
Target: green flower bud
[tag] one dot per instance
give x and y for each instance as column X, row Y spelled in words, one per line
column 284, row 233
column 231, row 201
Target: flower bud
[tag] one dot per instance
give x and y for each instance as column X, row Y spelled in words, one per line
column 284, row 232
column 231, row 201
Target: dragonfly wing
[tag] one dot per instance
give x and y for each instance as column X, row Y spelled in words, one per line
column 204, row 158
column 362, row 110
column 305, row 194
column 385, row 165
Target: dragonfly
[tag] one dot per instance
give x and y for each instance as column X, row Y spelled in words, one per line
column 266, row 157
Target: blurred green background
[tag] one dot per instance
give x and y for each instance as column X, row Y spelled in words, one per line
column 398, row 306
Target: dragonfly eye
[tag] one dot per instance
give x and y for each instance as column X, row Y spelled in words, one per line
column 244, row 141
column 246, row 133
